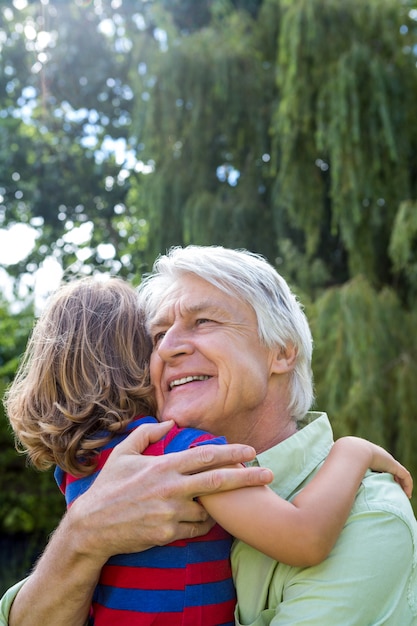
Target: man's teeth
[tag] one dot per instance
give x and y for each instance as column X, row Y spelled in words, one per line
column 187, row 379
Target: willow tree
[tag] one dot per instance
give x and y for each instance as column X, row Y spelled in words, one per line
column 345, row 129
column 293, row 131
column 204, row 122
column 365, row 364
column 345, row 136
column 294, row 123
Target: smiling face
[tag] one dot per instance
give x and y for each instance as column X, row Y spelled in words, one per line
column 209, row 367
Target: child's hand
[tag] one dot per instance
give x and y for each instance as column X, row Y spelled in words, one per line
column 404, row 478
column 383, row 461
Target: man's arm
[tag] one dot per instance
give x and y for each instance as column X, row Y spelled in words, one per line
column 136, row 502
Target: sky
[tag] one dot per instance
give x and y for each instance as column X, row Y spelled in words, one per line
column 15, row 244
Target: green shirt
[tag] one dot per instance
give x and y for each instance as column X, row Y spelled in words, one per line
column 6, row 602
column 369, row 578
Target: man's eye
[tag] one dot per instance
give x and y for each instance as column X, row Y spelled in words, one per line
column 158, row 337
column 203, row 320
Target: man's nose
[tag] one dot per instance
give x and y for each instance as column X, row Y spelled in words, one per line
column 175, row 342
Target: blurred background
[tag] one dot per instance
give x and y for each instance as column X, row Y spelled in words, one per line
column 288, row 127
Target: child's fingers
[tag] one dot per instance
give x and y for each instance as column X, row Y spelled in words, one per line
column 404, row 479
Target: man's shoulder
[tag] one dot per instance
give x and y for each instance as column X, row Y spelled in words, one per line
column 379, row 494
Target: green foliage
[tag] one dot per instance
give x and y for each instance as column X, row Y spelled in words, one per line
column 14, row 332
column 30, row 503
column 57, row 173
column 29, row 500
column 249, row 124
column 402, row 248
column 205, row 125
column 343, row 124
column 365, row 365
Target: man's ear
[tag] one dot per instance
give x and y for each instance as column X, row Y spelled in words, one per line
column 284, row 359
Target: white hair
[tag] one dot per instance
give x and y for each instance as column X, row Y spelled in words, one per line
column 281, row 320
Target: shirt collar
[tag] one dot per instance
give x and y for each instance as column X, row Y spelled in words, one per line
column 295, row 458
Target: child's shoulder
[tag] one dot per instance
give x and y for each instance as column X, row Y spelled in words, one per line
column 177, row 439
column 184, row 438
column 139, row 420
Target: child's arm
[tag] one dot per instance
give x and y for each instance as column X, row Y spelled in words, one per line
column 303, row 532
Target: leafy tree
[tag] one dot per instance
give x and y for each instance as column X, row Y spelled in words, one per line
column 30, row 504
column 57, row 173
column 345, row 126
column 206, row 127
column 365, row 365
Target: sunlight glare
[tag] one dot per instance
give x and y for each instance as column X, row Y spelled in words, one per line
column 16, row 243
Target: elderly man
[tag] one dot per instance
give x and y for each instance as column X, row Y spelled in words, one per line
column 232, row 354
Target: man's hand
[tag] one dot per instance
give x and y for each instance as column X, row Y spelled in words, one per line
column 141, row 501
column 136, row 502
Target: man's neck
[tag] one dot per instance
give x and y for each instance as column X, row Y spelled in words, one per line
column 271, row 439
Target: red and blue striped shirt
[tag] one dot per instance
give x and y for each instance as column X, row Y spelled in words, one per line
column 187, row 582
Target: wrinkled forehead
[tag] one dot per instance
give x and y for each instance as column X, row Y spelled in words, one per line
column 164, row 301
column 187, row 294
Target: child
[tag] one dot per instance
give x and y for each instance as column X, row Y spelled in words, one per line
column 83, row 386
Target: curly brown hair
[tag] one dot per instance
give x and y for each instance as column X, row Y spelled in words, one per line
column 84, row 375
